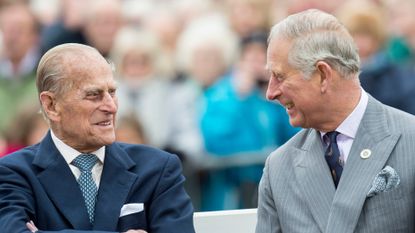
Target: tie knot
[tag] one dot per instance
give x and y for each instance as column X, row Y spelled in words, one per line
column 332, row 136
column 85, row 162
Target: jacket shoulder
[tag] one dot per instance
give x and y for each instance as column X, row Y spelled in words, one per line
column 21, row 157
column 144, row 153
column 295, row 142
column 399, row 120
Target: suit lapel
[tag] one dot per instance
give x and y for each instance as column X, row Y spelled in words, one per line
column 60, row 184
column 358, row 173
column 314, row 177
column 116, row 182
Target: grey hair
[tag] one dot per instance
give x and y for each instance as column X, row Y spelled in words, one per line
column 59, row 64
column 51, row 75
column 318, row 36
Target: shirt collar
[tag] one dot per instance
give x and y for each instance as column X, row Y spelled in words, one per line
column 350, row 125
column 69, row 153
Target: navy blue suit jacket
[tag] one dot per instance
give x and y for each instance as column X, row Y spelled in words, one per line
column 37, row 184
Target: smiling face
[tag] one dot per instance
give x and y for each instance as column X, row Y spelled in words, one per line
column 84, row 115
column 301, row 97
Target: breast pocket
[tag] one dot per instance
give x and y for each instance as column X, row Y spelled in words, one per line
column 387, row 212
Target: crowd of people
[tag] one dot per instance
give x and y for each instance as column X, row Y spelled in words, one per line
column 191, row 77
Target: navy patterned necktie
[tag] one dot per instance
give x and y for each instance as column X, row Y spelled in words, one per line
column 332, row 156
column 85, row 162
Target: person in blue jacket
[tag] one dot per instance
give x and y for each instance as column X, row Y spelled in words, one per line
column 235, row 118
column 78, row 179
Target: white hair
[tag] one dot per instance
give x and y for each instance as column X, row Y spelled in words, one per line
column 210, row 30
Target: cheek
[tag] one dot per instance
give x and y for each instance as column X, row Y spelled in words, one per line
column 76, row 120
column 115, row 98
column 289, row 91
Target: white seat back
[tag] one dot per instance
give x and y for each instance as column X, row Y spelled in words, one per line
column 226, row 221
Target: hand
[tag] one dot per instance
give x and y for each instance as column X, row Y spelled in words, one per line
column 31, row 226
column 136, row 231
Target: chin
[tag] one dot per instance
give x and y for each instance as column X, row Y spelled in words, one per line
column 296, row 123
column 110, row 141
column 107, row 140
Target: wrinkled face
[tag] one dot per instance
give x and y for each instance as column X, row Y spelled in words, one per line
column 86, row 113
column 288, row 86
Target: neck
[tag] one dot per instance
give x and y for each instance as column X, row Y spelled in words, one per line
column 341, row 104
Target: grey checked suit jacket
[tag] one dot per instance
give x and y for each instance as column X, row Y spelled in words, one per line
column 297, row 193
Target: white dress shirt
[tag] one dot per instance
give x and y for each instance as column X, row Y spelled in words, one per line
column 348, row 128
column 69, row 154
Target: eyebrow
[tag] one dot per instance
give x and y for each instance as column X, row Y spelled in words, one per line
column 93, row 90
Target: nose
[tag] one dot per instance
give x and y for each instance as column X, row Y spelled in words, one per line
column 273, row 90
column 110, row 103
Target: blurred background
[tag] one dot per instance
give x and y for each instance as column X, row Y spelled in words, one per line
column 191, row 76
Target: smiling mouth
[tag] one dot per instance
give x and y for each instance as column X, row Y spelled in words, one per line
column 104, row 123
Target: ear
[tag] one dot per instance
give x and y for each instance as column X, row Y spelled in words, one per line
column 48, row 102
column 326, row 75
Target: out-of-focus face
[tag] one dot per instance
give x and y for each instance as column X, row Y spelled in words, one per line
column 207, row 65
column 167, row 27
column 102, row 27
column 246, row 17
column 136, row 65
column 366, row 44
column 19, row 34
column 300, row 97
column 86, row 113
column 254, row 57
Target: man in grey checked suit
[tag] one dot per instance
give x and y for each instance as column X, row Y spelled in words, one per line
column 314, row 67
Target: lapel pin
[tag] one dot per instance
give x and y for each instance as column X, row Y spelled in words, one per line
column 365, row 153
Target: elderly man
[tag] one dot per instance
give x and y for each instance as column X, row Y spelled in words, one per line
column 78, row 179
column 351, row 169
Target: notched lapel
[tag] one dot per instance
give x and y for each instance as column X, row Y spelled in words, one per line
column 116, row 183
column 357, row 178
column 313, row 176
column 60, row 185
column 358, row 173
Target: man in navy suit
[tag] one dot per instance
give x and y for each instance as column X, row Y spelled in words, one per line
column 127, row 188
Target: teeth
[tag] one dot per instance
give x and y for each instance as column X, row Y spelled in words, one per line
column 105, row 123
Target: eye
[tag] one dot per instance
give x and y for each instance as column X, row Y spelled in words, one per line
column 112, row 92
column 93, row 94
column 279, row 77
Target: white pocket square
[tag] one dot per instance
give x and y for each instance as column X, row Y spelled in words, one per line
column 385, row 180
column 131, row 208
